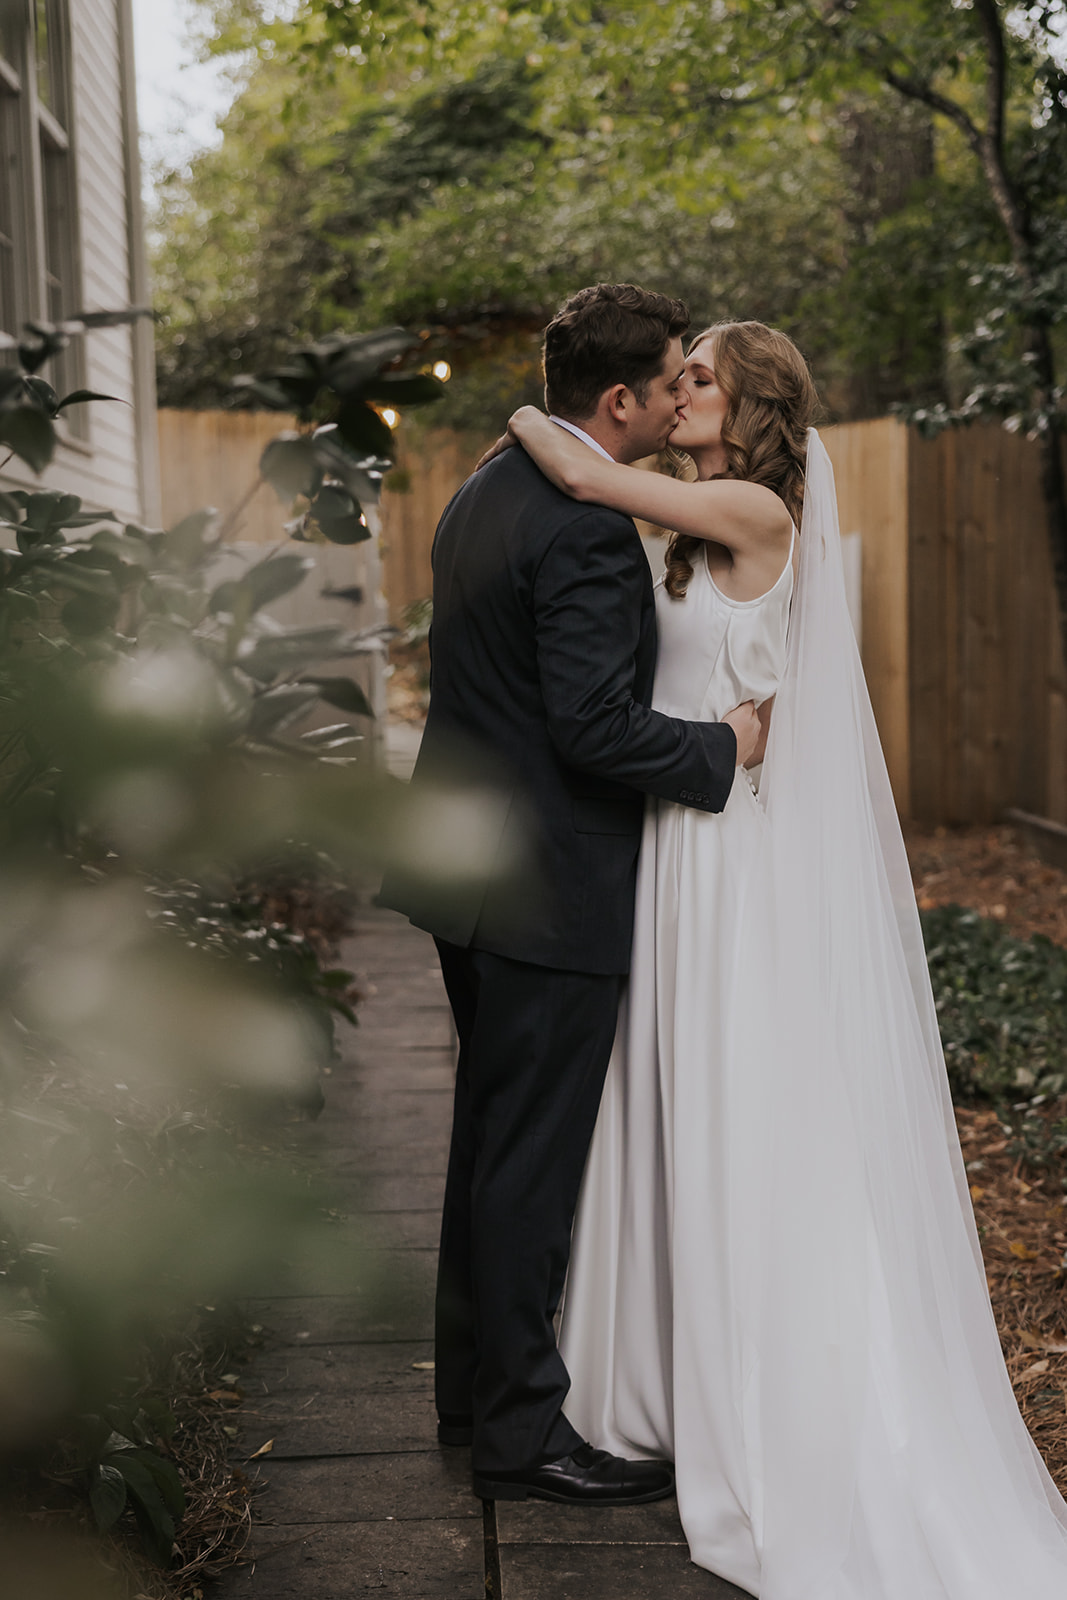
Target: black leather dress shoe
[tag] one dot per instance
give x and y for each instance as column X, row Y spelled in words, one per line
column 454, row 1430
column 586, row 1477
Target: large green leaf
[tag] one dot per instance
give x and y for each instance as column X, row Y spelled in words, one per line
column 10, row 509
column 107, row 1496
column 50, row 510
column 360, row 473
column 78, row 573
column 338, row 736
column 45, row 396
column 46, row 343
column 155, row 1521
column 289, row 388
column 28, row 434
column 186, row 542
column 344, row 694
column 124, row 547
column 337, row 514
column 348, row 361
column 89, row 614
column 291, row 466
column 403, row 389
column 364, row 431
column 266, row 581
column 275, row 710
column 79, row 397
column 167, row 1481
column 293, row 649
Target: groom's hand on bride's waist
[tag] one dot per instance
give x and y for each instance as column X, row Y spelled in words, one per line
column 744, row 720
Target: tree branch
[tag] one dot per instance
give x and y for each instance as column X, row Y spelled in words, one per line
column 987, row 143
column 914, row 89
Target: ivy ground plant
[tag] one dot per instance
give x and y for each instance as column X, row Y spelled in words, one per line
column 1002, row 1010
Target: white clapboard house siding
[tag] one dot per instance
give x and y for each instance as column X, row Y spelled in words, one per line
column 109, row 454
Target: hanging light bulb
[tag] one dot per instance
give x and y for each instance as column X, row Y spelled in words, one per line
column 390, row 417
column 442, row 370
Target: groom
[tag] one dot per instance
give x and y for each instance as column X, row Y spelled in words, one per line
column 543, row 650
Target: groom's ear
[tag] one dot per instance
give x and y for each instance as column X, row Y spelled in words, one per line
column 618, row 402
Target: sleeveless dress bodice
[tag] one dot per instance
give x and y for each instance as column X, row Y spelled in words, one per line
column 715, row 652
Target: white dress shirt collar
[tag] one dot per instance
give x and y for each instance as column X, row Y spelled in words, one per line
column 579, row 433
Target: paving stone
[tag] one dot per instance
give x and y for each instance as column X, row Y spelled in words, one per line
column 359, row 1191
column 359, row 1120
column 401, row 1230
column 608, row 1572
column 370, row 1488
column 400, row 1069
column 426, row 1030
column 387, row 1369
column 428, row 1158
column 331, row 1424
column 371, row 1316
column 539, row 1521
column 386, row 1280
column 432, row 1560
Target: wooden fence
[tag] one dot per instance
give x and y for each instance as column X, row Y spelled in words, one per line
column 211, row 458
column 960, row 640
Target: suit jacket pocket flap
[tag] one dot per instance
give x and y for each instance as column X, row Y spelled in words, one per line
column 607, row 816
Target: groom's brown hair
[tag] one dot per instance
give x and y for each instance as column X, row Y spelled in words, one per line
column 609, row 333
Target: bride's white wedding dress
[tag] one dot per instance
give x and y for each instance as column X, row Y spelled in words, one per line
column 776, row 1279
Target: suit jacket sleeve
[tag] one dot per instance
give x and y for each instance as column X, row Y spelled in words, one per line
column 588, row 596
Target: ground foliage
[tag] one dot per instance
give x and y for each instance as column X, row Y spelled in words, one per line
column 1001, row 1006
column 175, row 845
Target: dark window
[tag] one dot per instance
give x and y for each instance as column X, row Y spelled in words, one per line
column 50, row 51
column 9, row 174
column 58, row 194
column 39, row 244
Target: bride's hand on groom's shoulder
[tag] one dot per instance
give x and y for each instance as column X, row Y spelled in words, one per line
column 518, row 420
column 505, row 442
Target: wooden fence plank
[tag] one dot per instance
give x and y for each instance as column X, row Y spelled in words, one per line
column 960, row 635
column 870, row 470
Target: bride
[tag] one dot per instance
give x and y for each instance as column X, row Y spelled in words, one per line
column 776, row 1278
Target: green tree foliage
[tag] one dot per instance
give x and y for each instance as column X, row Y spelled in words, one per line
column 462, row 167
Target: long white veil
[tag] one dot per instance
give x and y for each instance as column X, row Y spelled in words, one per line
column 867, row 1333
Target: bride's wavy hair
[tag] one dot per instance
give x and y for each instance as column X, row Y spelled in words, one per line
column 771, row 404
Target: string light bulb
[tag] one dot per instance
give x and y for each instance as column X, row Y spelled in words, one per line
column 442, row 370
column 390, row 417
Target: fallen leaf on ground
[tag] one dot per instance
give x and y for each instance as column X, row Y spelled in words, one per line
column 1024, row 1254
column 423, row 1366
column 265, row 1449
column 1034, row 1341
column 1038, row 1366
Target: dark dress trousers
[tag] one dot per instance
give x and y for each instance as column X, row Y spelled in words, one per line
column 543, row 650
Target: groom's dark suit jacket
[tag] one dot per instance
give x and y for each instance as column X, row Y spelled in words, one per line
column 543, row 649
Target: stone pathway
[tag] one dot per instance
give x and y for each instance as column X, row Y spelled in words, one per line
column 357, row 1496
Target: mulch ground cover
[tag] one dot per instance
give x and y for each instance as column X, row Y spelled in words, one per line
column 1021, row 1213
